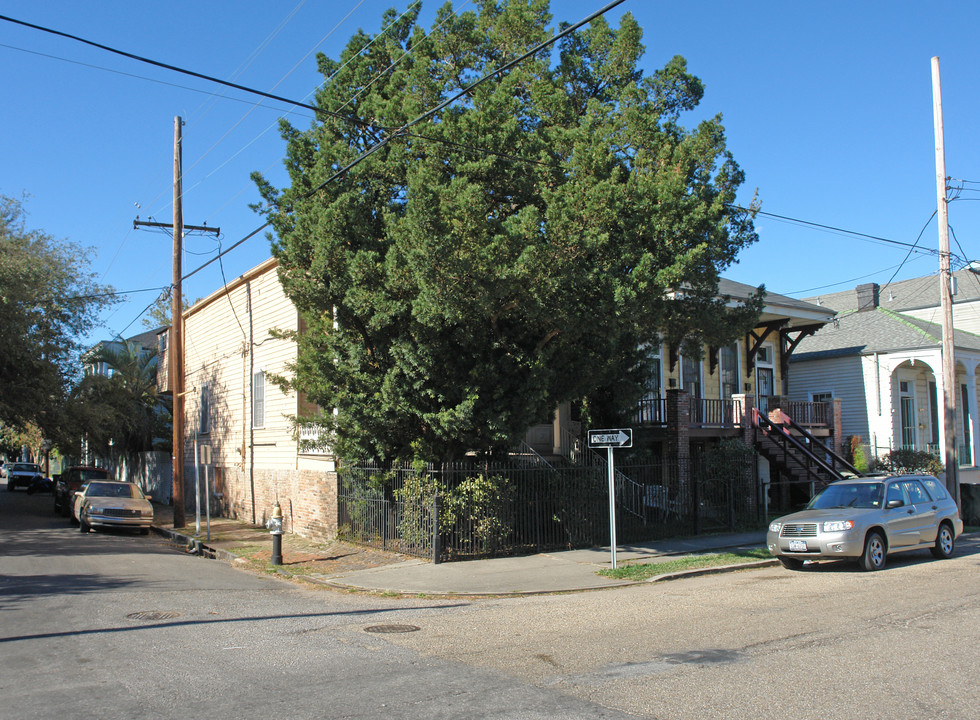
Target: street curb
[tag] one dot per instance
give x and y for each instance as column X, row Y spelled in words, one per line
column 192, row 546
column 678, row 575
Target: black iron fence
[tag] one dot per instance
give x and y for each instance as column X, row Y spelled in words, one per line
column 488, row 510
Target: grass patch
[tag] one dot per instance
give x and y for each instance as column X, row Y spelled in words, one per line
column 636, row 571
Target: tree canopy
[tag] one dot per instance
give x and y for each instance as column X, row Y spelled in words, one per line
column 518, row 249
column 48, row 301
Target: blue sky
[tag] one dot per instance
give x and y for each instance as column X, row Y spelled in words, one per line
column 828, row 109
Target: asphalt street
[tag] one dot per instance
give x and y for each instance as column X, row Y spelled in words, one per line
column 114, row 625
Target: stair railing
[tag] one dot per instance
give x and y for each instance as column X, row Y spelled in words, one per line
column 782, row 437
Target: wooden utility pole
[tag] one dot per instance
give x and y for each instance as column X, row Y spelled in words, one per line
column 945, row 293
column 177, row 336
column 175, row 346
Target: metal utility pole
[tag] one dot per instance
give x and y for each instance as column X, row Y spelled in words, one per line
column 945, row 292
column 175, row 348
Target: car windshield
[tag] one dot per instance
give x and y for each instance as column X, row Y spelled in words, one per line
column 26, row 467
column 94, row 475
column 855, row 495
column 119, row 490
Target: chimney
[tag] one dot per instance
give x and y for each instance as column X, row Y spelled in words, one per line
column 867, row 296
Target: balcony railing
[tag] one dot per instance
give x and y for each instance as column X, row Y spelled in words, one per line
column 715, row 413
column 652, row 412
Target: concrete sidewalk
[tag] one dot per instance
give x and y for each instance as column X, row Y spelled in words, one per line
column 563, row 571
column 554, row 572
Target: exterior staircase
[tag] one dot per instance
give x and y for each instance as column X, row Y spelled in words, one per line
column 795, row 453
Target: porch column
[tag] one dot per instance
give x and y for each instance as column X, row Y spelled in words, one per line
column 971, row 412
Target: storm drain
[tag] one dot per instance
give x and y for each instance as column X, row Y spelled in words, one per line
column 391, row 628
column 153, row 615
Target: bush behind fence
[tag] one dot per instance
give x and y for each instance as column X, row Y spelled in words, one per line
column 494, row 509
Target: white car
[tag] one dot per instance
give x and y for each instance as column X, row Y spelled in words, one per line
column 103, row 503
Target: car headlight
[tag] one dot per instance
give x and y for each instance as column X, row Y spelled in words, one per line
column 837, row 526
column 94, row 510
column 775, row 526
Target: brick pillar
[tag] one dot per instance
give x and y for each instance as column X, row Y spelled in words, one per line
column 679, row 423
column 746, row 403
column 679, row 447
column 837, row 445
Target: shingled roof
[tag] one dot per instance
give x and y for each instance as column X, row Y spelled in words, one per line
column 912, row 294
column 877, row 330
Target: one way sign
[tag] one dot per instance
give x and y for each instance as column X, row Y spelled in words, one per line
column 616, row 438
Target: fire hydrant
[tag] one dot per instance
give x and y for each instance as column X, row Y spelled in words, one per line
column 275, row 528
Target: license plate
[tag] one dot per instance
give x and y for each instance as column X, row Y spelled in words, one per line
column 797, row 545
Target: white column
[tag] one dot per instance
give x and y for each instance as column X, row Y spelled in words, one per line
column 971, row 412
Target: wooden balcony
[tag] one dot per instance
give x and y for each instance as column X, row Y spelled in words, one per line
column 730, row 413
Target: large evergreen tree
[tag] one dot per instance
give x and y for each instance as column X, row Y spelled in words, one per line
column 518, row 249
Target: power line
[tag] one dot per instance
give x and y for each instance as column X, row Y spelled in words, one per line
column 191, row 73
column 832, row 228
column 403, row 131
column 140, row 77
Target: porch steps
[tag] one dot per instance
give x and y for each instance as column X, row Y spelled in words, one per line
column 795, row 453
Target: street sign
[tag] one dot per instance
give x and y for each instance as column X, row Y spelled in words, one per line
column 616, row 438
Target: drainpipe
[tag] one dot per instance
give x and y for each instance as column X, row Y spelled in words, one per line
column 878, row 382
column 251, row 399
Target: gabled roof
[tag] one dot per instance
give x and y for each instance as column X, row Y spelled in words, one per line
column 800, row 312
column 904, row 295
column 879, row 330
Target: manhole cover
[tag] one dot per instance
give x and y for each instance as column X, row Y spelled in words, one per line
column 391, row 628
column 153, row 615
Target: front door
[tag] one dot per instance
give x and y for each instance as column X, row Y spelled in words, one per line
column 765, row 376
column 906, row 391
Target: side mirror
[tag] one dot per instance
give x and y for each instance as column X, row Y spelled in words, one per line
column 894, row 504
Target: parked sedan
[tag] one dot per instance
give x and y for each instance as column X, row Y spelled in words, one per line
column 866, row 519
column 69, row 483
column 111, row 504
column 23, row 474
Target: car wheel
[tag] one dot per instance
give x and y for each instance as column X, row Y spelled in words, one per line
column 791, row 563
column 945, row 542
column 144, row 531
column 873, row 557
column 82, row 525
column 71, row 519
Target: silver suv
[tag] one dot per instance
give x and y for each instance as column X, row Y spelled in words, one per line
column 867, row 518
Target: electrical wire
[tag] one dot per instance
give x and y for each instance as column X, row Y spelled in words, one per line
column 842, row 231
column 142, row 77
column 401, row 132
column 911, row 249
column 191, row 73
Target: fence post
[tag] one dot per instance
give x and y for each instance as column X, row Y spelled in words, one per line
column 436, row 544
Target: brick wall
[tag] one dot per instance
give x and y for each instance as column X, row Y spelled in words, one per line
column 308, row 498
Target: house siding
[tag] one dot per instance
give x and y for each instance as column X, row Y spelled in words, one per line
column 226, row 340
column 842, row 376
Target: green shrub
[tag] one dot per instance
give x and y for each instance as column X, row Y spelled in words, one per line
column 912, row 461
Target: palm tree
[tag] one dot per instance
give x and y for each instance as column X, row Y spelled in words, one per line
column 134, row 415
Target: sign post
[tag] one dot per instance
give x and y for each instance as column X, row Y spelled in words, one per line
column 610, row 439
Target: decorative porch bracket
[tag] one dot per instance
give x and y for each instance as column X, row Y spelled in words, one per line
column 753, row 341
column 788, row 343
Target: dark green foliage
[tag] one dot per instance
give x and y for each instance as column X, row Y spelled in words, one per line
column 513, row 252
column 911, row 461
column 48, row 300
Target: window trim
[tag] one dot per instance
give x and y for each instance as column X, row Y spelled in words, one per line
column 258, row 398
